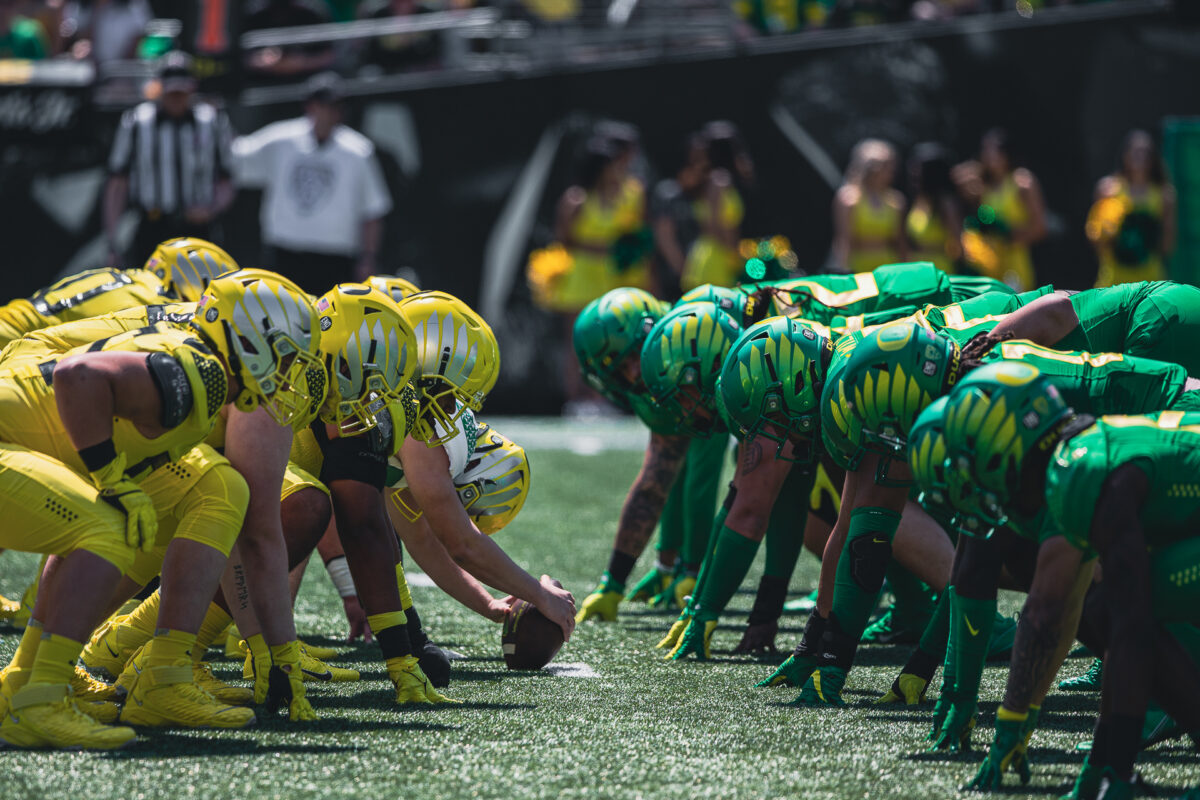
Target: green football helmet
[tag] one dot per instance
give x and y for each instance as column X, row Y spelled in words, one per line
column 770, row 385
column 927, row 452
column 681, row 359
column 745, row 308
column 999, row 414
column 609, row 329
column 879, row 383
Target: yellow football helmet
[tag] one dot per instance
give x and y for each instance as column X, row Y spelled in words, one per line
column 371, row 354
column 458, row 361
column 396, row 288
column 495, row 483
column 186, row 265
column 266, row 329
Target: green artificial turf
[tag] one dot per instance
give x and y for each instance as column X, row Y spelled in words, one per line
column 641, row 728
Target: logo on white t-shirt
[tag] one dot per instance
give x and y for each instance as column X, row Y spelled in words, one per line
column 312, row 185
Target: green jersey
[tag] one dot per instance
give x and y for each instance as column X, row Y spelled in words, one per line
column 891, row 286
column 1101, row 383
column 1154, row 319
column 1165, row 446
column 963, row 321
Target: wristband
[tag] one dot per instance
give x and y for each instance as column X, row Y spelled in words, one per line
column 98, row 456
column 339, row 573
column 1003, row 713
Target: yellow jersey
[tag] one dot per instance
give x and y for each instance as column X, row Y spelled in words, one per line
column 29, row 412
column 87, row 294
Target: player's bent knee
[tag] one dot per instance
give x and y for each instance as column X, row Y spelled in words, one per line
column 305, row 515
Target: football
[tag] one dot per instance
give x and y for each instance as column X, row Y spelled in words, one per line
column 529, row 639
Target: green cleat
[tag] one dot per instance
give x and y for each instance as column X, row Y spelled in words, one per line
column 653, row 583
column 824, row 688
column 886, row 630
column 1089, row 681
column 801, row 605
column 1004, row 633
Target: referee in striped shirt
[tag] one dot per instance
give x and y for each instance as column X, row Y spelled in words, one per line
column 170, row 161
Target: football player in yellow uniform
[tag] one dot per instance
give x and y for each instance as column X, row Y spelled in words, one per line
column 113, row 411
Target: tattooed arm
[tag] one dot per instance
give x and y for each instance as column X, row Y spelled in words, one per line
column 1049, row 619
column 648, row 495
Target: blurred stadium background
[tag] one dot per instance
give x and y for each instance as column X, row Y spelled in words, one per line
column 480, row 112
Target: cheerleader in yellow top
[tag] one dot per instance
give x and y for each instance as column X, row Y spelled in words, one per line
column 713, row 257
column 1011, row 213
column 1132, row 223
column 934, row 218
column 868, row 212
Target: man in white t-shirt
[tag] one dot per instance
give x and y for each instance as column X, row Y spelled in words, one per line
column 324, row 195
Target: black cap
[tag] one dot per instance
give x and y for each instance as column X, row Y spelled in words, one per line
column 175, row 72
column 325, row 87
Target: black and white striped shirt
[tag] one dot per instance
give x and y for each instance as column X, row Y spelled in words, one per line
column 172, row 163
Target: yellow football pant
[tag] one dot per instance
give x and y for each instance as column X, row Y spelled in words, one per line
column 48, row 508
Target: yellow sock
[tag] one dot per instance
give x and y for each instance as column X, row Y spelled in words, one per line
column 55, row 660
column 27, row 649
column 215, row 621
column 169, row 646
column 381, row 622
column 145, row 617
column 402, row 585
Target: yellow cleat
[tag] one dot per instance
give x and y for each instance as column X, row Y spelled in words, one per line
column 9, row 609
column 222, row 691
column 165, row 694
column 127, row 607
column 128, row 676
column 316, row 670
column 319, row 653
column 100, row 710
column 235, row 646
column 109, row 649
column 86, row 687
column 45, row 715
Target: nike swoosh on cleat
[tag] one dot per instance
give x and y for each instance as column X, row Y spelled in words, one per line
column 327, row 675
column 114, row 653
column 879, row 541
column 974, row 631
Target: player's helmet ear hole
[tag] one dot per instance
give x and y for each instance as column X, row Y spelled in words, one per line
column 993, row 463
column 798, row 382
column 247, row 345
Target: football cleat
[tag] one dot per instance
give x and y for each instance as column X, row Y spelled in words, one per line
column 45, row 715
column 202, row 674
column 166, row 695
column 1089, row 681
column 314, row 669
column 86, row 687
column 1004, row 633
column 801, row 605
column 318, row 652
column 9, row 609
column 883, row 631
column 109, row 649
column 102, row 711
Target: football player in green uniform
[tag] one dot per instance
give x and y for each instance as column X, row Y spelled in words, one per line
column 1122, row 488
column 679, row 475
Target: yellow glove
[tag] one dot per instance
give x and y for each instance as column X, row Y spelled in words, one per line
column 411, row 684
column 908, row 689
column 696, row 640
column 600, row 604
column 116, row 489
column 286, row 683
column 677, row 629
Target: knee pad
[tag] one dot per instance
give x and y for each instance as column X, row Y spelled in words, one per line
column 869, row 559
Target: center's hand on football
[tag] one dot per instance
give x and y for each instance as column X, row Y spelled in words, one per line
column 558, row 605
